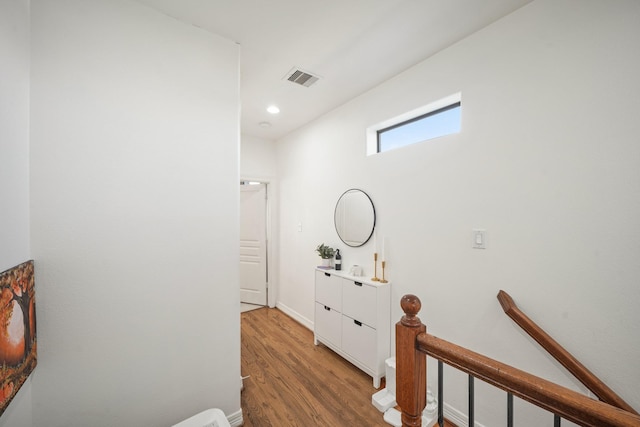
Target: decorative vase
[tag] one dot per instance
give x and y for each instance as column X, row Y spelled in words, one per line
column 326, row 262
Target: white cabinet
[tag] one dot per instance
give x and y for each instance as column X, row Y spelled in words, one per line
column 329, row 290
column 328, row 325
column 359, row 342
column 353, row 318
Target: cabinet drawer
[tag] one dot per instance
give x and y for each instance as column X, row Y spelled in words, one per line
column 329, row 290
column 327, row 324
column 359, row 301
column 359, row 341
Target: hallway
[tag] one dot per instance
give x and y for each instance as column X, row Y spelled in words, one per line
column 292, row 382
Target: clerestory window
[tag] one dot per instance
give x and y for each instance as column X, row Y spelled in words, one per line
column 440, row 118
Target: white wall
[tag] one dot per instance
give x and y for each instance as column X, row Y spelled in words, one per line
column 258, row 158
column 258, row 162
column 14, row 163
column 134, row 216
column 14, row 132
column 547, row 162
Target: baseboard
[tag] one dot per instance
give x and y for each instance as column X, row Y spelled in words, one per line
column 295, row 316
column 236, row 419
column 458, row 417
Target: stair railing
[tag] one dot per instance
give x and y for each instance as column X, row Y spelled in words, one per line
column 413, row 344
column 566, row 359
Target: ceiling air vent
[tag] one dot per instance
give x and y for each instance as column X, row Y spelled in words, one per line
column 301, row 77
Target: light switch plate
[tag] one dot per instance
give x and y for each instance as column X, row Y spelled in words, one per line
column 479, row 238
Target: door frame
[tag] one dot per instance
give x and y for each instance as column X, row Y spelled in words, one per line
column 270, row 234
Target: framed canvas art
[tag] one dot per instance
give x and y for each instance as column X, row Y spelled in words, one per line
column 18, row 345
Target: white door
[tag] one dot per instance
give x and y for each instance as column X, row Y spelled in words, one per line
column 253, row 244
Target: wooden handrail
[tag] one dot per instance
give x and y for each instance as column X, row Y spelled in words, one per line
column 411, row 387
column 566, row 359
column 557, row 399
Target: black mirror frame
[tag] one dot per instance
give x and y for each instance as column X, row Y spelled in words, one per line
column 373, row 227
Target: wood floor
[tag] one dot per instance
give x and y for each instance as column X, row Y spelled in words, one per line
column 292, row 382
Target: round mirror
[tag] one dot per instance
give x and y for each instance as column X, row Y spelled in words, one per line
column 355, row 217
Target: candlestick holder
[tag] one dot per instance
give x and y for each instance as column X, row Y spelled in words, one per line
column 375, row 267
column 383, row 279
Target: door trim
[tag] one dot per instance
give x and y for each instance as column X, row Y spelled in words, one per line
column 271, row 230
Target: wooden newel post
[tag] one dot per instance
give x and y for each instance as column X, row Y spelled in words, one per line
column 411, row 364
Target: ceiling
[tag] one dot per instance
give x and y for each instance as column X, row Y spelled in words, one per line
column 352, row 45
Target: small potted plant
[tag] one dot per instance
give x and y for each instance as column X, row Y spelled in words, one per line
column 326, row 253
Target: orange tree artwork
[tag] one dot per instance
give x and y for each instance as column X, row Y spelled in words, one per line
column 18, row 345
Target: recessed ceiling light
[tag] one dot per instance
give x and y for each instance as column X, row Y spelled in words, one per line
column 264, row 124
column 273, row 109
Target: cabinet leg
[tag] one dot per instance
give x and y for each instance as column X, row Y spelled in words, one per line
column 376, row 382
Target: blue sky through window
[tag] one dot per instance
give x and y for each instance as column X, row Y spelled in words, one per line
column 439, row 123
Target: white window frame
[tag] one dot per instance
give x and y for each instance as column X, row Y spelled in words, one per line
column 372, row 131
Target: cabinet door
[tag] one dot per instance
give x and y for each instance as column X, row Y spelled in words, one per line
column 359, row 341
column 329, row 290
column 360, row 302
column 327, row 324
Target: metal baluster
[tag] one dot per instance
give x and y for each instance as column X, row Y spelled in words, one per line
column 440, row 394
column 509, row 410
column 556, row 420
column 471, row 401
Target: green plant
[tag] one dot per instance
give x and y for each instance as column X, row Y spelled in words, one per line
column 325, row 252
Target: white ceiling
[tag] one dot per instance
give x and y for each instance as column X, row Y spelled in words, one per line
column 352, row 45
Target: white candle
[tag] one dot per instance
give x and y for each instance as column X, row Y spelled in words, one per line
column 383, row 244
